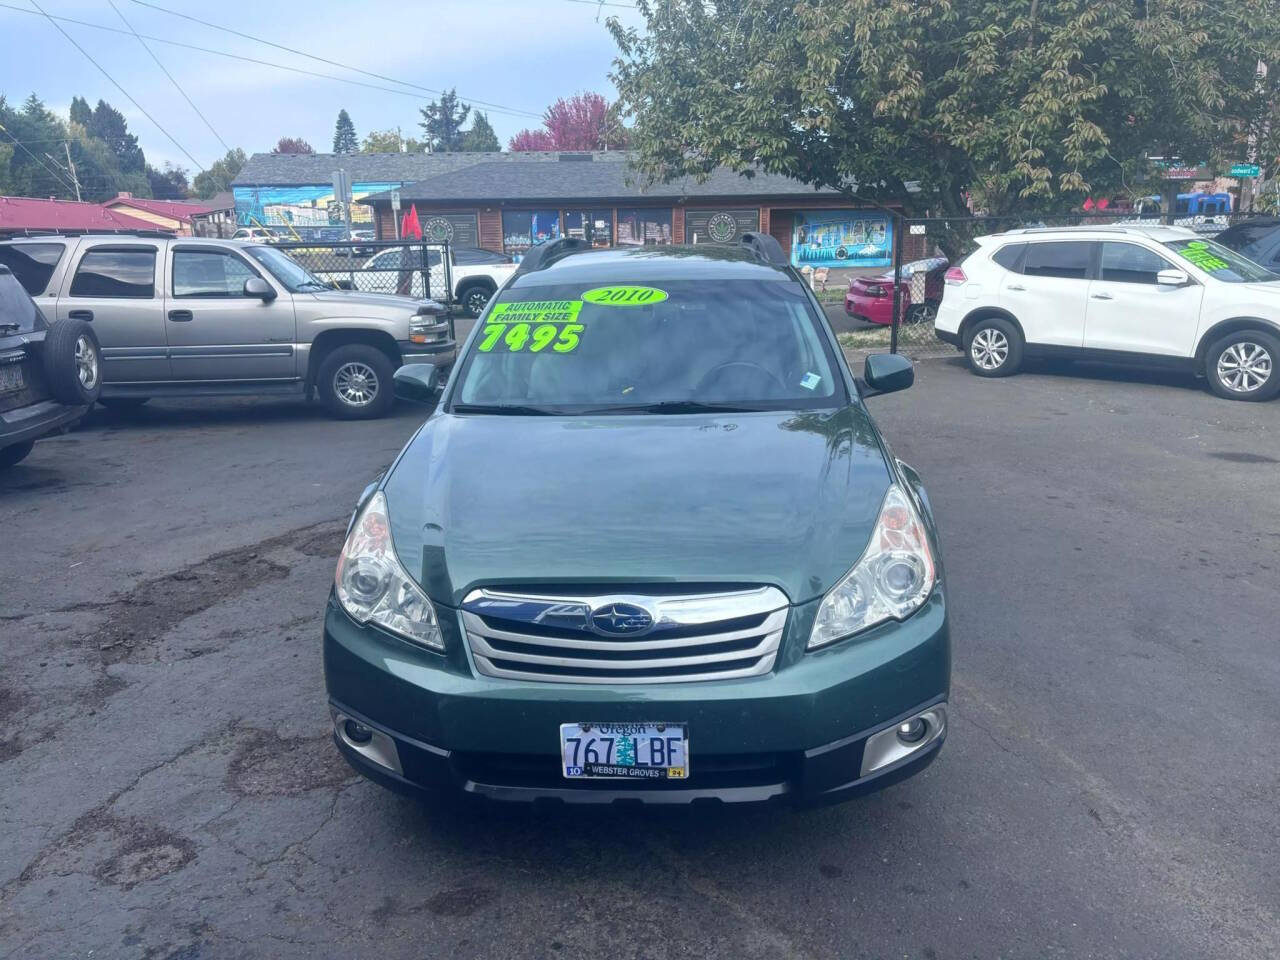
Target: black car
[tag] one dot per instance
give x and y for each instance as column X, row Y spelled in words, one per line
column 49, row 375
column 1257, row 238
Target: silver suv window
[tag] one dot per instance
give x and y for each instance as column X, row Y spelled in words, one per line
column 128, row 273
column 32, row 263
column 209, row 273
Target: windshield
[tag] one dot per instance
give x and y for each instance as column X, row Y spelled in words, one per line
column 295, row 277
column 673, row 347
column 1220, row 262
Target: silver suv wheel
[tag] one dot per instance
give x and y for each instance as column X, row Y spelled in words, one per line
column 989, row 349
column 1245, row 367
column 87, row 363
column 356, row 383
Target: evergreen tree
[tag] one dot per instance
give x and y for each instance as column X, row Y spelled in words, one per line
column 344, row 134
column 480, row 137
column 442, row 122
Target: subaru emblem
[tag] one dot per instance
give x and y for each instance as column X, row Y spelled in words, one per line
column 621, row 619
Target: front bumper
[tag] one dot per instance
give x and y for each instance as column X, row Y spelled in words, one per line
column 35, row 420
column 796, row 734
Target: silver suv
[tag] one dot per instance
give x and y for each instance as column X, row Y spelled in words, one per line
column 194, row 317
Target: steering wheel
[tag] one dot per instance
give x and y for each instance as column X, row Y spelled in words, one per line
column 717, row 371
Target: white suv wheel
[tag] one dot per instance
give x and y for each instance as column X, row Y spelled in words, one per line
column 1245, row 367
column 990, row 349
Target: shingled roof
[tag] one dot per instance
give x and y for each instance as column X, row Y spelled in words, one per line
column 301, row 169
column 532, row 182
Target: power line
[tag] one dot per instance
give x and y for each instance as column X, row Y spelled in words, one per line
column 261, row 63
column 176, row 85
column 332, row 63
column 38, row 160
column 114, row 83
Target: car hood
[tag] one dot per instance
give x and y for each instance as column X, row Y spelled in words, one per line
column 1271, row 289
column 785, row 498
column 391, row 302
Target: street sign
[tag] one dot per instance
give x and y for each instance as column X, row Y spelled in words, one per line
column 395, row 200
column 1239, row 170
column 1185, row 173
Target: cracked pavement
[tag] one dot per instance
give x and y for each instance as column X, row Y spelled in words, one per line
column 168, row 788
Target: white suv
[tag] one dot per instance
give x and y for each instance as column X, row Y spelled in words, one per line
column 1126, row 294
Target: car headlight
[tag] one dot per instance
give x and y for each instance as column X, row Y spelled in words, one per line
column 373, row 587
column 892, row 579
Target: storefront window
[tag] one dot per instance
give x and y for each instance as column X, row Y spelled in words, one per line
column 594, row 226
column 522, row 229
column 644, row 226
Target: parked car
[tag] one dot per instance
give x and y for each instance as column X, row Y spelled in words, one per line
column 196, row 317
column 1126, row 294
column 362, row 244
column 710, row 579
column 1257, row 238
column 49, row 375
column 476, row 274
column 871, row 298
column 255, row 235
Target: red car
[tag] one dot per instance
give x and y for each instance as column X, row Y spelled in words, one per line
column 871, row 298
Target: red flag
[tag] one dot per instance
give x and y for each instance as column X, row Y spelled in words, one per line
column 411, row 230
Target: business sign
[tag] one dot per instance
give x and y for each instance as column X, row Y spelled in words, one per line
column 460, row 229
column 1241, row 170
column 841, row 238
column 720, row 226
column 314, row 212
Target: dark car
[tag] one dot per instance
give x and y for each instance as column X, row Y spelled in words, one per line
column 49, row 376
column 650, row 546
column 922, row 281
column 1257, row 238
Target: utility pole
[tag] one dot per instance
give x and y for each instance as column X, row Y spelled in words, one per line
column 71, row 165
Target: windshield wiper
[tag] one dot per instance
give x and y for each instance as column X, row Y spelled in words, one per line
column 307, row 286
column 676, row 406
column 507, row 409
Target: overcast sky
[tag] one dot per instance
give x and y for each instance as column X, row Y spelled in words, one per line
column 520, row 55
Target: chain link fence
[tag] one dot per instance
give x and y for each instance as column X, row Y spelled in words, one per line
column 921, row 260
column 419, row 270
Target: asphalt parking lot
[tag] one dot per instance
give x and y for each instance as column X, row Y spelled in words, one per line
column 168, row 788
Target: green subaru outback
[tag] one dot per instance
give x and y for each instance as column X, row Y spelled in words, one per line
column 649, row 546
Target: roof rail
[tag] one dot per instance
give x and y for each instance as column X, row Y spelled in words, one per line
column 765, row 247
column 36, row 232
column 545, row 254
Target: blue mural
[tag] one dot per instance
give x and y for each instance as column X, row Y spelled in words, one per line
column 309, row 211
column 842, row 238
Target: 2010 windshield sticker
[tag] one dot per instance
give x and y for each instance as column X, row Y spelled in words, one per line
column 532, row 325
column 624, row 295
column 1198, row 252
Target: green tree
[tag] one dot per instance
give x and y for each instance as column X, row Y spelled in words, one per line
column 81, row 112
column 109, row 125
column 390, row 141
column 481, row 137
column 344, row 134
column 169, row 183
column 442, row 122
column 219, row 175
column 1013, row 105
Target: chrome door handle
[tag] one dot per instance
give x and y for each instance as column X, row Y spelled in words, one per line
column 80, row 315
column 1015, row 286
column 1102, row 296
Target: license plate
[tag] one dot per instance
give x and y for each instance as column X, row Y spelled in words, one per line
column 657, row 751
column 11, row 378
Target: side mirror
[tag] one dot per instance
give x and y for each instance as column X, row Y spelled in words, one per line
column 886, row 373
column 257, row 287
column 417, row 382
column 1172, row 278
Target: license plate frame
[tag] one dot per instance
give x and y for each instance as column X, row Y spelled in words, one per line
column 12, row 378
column 633, row 761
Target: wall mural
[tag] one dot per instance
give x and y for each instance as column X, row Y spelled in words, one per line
column 311, row 211
column 841, row 238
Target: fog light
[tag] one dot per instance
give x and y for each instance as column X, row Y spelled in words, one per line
column 359, row 734
column 912, row 731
